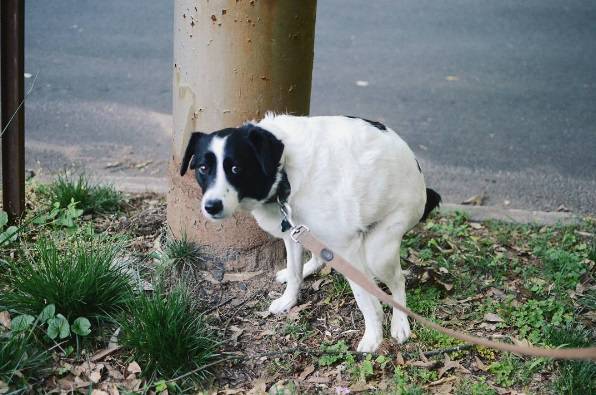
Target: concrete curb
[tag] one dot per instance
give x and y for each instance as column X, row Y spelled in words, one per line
column 485, row 213
column 476, row 213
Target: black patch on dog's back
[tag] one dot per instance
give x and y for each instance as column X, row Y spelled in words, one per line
column 432, row 201
column 376, row 124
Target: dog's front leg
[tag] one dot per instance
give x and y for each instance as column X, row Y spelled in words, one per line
column 294, row 278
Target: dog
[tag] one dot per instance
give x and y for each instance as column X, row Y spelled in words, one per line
column 354, row 182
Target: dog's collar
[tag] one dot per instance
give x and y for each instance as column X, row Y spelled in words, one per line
column 280, row 197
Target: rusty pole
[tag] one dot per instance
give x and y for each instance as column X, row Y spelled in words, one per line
column 234, row 61
column 12, row 61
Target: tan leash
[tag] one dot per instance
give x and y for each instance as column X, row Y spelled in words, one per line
column 301, row 234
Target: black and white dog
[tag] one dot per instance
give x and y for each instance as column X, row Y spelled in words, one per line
column 355, row 183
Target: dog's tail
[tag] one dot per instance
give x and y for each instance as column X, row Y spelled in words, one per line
column 432, row 201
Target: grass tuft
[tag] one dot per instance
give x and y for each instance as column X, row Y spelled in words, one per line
column 182, row 255
column 91, row 198
column 21, row 363
column 167, row 337
column 81, row 279
column 574, row 377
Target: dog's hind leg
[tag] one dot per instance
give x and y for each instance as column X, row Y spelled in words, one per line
column 368, row 304
column 382, row 246
column 312, row 266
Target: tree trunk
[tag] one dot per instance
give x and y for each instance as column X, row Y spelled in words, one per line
column 234, row 61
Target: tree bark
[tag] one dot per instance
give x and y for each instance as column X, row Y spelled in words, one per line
column 234, row 61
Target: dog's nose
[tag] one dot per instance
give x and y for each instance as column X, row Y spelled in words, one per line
column 213, row 206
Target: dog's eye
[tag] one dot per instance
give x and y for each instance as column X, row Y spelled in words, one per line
column 235, row 169
column 203, row 169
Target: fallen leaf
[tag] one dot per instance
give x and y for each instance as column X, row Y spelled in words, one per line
column 306, row 372
column 133, row 368
column 491, row 317
column 360, row 386
column 319, row 380
column 112, row 165
column 95, row 376
column 476, row 225
column 98, row 356
column 5, row 319
column 448, row 364
column 240, row 276
column 479, row 364
column 294, row 313
column 475, row 200
column 237, row 332
column 99, row 392
column 259, row 387
column 317, row 285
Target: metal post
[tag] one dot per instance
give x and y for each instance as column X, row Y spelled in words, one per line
column 234, row 61
column 12, row 60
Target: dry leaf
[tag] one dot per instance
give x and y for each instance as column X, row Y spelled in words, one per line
column 259, row 387
column 306, row 372
column 5, row 319
column 475, row 200
column 448, row 364
column 479, row 364
column 240, row 276
column 133, row 368
column 95, row 376
column 319, row 380
column 99, row 392
column 317, row 285
column 237, row 332
column 475, row 225
column 294, row 313
column 491, row 317
column 98, row 356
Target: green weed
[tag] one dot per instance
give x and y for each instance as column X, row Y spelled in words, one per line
column 22, row 363
column 182, row 254
column 81, row 278
column 474, row 387
column 167, row 337
column 91, row 198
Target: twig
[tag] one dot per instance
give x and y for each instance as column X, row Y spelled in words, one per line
column 443, row 351
column 219, row 305
column 20, row 105
column 198, row 370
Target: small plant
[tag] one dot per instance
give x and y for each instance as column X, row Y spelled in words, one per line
column 57, row 326
column 333, row 353
column 81, row 279
column 21, row 362
column 60, row 217
column 574, row 377
column 182, row 254
column 340, row 287
column 167, row 337
column 91, row 198
column 472, row 387
column 505, row 370
column 10, row 233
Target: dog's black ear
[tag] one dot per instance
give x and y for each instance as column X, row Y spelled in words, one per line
column 193, row 144
column 268, row 149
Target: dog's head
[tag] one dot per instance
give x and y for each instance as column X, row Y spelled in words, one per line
column 235, row 167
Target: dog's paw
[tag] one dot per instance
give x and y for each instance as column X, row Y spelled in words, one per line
column 369, row 343
column 400, row 327
column 282, row 276
column 282, row 304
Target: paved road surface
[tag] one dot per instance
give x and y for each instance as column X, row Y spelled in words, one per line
column 493, row 96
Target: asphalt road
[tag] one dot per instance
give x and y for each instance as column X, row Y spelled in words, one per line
column 495, row 97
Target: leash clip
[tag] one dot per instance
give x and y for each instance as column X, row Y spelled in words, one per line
column 297, row 231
